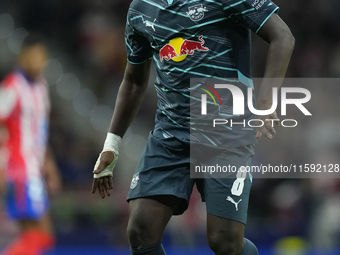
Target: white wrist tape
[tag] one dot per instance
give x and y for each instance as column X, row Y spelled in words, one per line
column 112, row 142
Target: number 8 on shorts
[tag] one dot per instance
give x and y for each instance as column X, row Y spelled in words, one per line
column 238, row 184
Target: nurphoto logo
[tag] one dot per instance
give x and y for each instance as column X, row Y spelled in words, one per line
column 239, row 104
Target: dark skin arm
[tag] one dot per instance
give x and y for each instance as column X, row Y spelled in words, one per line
column 281, row 45
column 129, row 99
column 52, row 175
column 3, row 138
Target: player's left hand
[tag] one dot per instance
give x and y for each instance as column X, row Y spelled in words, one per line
column 267, row 129
column 54, row 183
column 104, row 166
column 52, row 174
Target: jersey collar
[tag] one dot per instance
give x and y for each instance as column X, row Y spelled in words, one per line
column 28, row 78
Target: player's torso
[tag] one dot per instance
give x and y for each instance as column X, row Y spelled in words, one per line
column 27, row 126
column 191, row 39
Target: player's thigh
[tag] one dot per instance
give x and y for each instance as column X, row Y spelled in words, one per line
column 228, row 197
column 163, row 171
column 224, row 232
column 44, row 223
column 149, row 217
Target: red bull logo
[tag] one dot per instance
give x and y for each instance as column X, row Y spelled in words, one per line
column 178, row 49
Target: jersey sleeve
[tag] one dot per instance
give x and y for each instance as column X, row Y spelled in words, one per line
column 251, row 13
column 137, row 46
column 8, row 99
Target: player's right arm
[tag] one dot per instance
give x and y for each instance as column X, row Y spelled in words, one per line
column 130, row 96
column 3, row 138
column 129, row 99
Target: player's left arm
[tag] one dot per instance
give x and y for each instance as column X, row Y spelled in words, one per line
column 52, row 173
column 3, row 138
column 3, row 134
column 281, row 45
column 2, row 180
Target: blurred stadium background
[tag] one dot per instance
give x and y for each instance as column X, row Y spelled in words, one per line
column 86, row 40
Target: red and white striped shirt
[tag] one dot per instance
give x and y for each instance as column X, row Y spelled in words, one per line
column 24, row 110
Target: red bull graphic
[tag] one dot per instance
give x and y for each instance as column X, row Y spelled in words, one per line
column 167, row 52
column 188, row 47
column 178, row 49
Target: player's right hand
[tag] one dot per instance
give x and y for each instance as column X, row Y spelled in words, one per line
column 103, row 172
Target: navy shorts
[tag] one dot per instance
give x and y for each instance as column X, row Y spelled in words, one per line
column 164, row 169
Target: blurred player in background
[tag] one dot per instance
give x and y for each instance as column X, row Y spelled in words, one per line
column 191, row 39
column 25, row 159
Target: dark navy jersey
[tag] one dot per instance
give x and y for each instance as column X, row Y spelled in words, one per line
column 196, row 39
